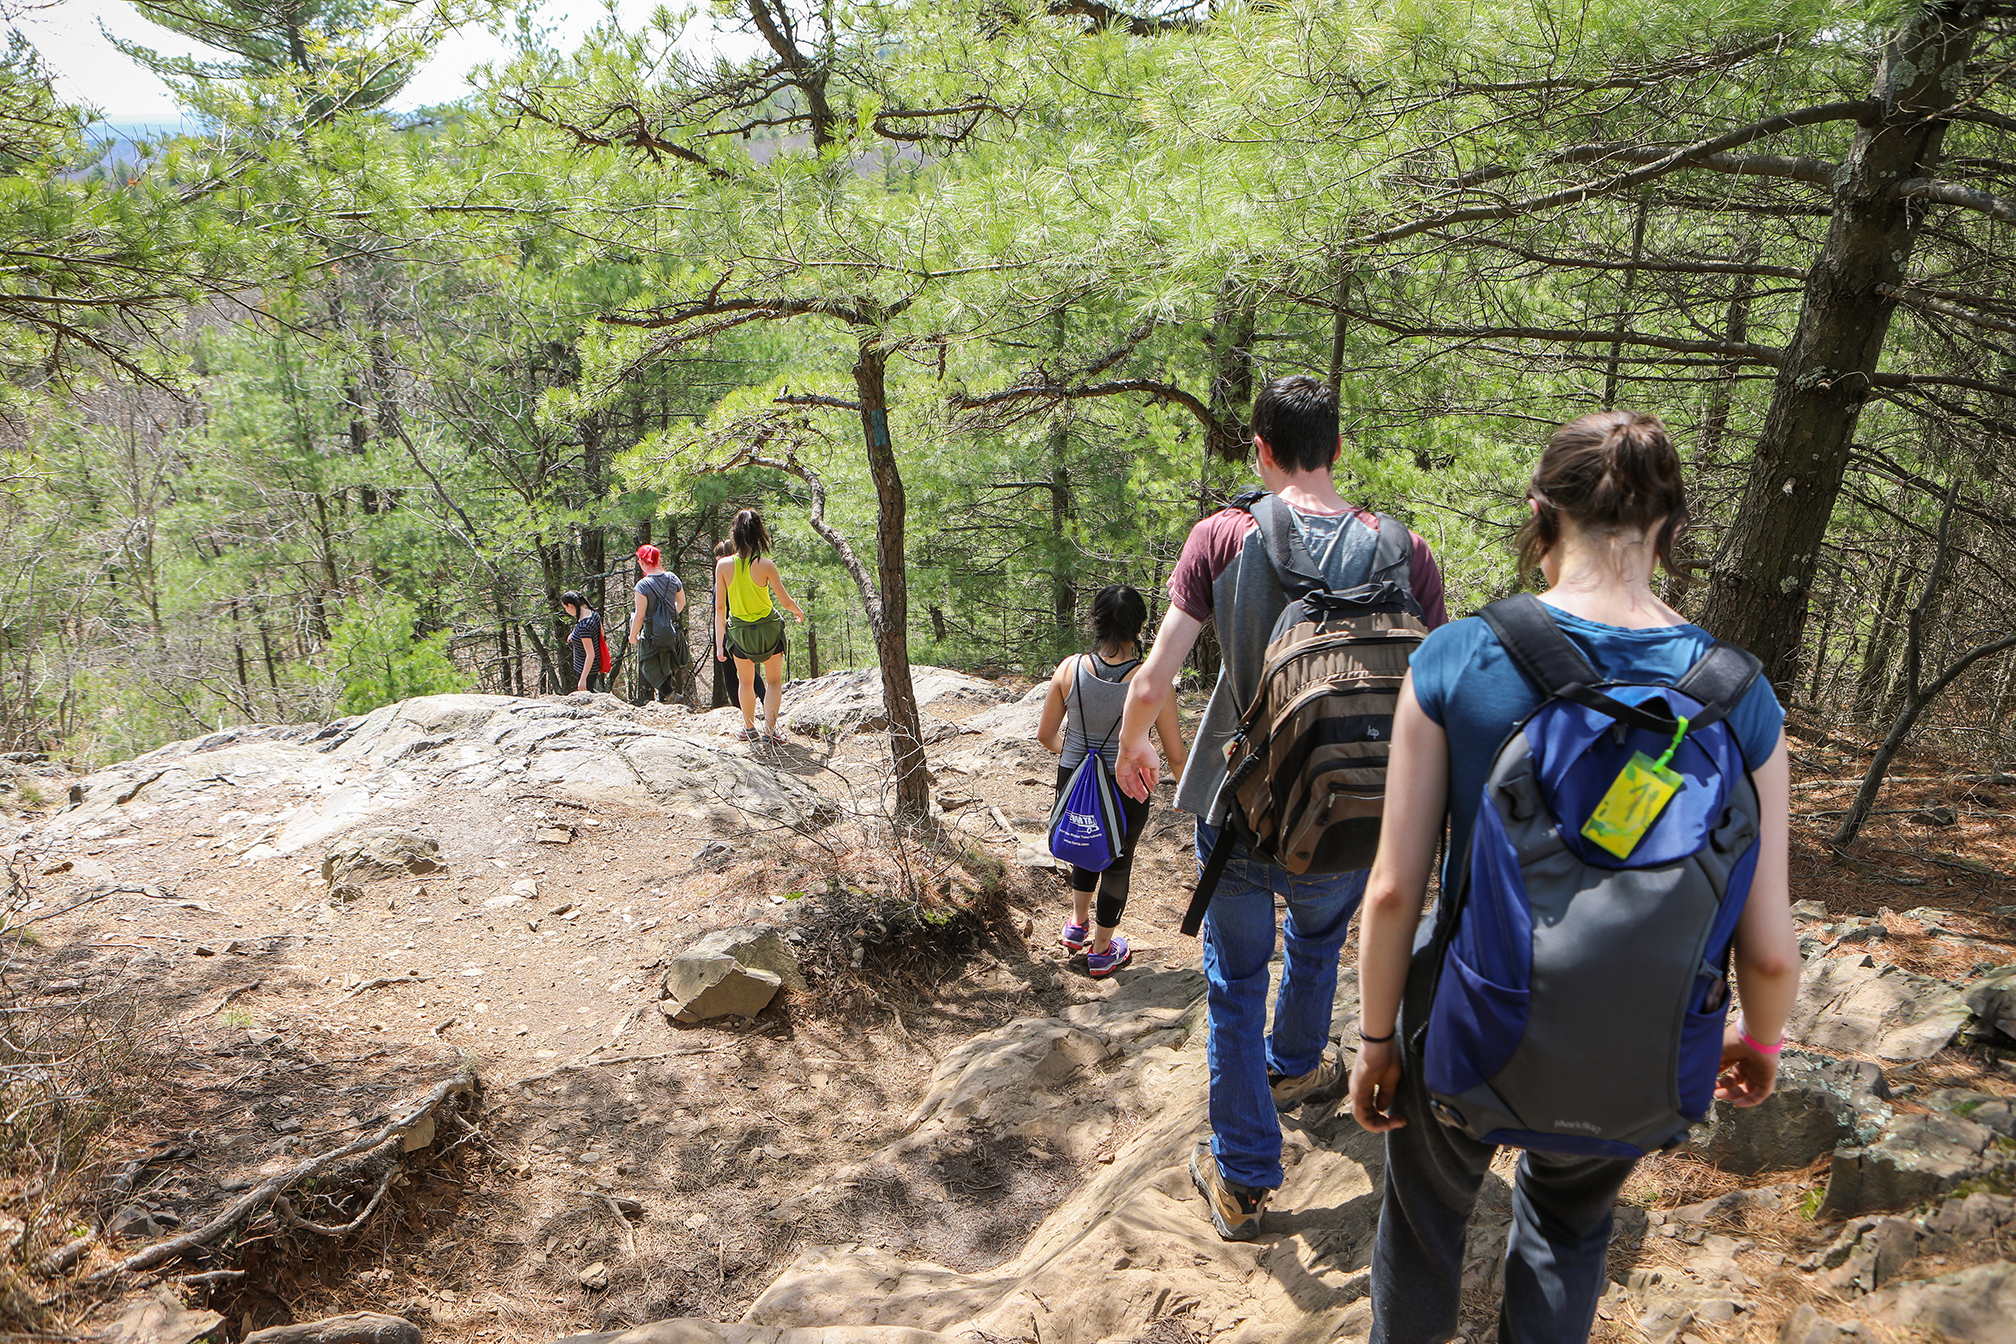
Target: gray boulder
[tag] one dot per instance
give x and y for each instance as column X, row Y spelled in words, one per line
column 1977, row 1305
column 1992, row 1000
column 1807, row 1326
column 1820, row 1104
column 1921, row 1158
column 730, row 972
column 1983, row 1108
column 1854, row 1005
column 380, row 852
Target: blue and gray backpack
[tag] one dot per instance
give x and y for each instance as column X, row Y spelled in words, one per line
column 1576, row 985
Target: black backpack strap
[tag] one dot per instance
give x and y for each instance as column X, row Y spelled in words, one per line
column 1293, row 565
column 1539, row 649
column 1207, row 881
column 1555, row 666
column 1394, row 552
column 1720, row 680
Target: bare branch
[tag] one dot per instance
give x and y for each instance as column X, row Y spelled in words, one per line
column 1995, row 207
column 1912, row 298
column 1819, row 172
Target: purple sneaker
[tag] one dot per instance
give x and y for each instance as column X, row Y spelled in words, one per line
column 1074, row 936
column 1116, row 955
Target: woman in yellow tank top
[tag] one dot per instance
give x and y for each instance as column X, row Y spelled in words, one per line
column 746, row 623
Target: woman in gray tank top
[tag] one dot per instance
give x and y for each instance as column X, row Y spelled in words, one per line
column 1088, row 694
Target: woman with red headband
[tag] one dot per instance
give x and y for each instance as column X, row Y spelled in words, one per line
column 654, row 628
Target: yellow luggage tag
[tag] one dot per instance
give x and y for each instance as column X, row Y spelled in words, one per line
column 1635, row 800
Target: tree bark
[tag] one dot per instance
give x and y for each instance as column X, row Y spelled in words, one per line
column 1760, row 584
column 892, row 621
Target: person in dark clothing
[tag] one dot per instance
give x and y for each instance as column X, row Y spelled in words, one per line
column 722, row 550
column 653, row 630
column 585, row 640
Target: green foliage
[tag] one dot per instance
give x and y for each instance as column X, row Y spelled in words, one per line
column 379, row 658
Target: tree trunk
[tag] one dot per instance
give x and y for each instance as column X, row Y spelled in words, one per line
column 1763, row 572
column 1616, row 361
column 892, row 628
column 1063, row 593
column 1722, row 393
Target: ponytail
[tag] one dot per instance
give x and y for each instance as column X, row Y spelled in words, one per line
column 1611, row 471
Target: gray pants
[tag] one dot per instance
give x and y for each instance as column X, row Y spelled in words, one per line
column 1554, row 1261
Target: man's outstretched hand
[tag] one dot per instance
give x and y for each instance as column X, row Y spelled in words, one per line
column 1138, row 770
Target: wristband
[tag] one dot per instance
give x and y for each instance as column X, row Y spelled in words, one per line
column 1376, row 1040
column 1743, row 1034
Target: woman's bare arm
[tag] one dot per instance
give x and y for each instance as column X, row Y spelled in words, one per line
column 1417, row 803
column 775, row 580
column 1050, row 728
column 1767, row 949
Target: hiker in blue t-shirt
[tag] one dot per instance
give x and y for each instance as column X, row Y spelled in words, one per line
column 1607, row 500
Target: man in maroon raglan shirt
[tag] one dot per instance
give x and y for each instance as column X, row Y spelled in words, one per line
column 1224, row 575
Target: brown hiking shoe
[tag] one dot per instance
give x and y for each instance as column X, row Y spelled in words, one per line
column 1319, row 1084
column 1235, row 1209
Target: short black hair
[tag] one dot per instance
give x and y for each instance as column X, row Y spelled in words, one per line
column 1297, row 416
column 572, row 599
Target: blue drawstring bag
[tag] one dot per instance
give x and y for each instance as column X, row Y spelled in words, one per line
column 1087, row 828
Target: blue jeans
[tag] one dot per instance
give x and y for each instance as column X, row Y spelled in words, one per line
column 1239, row 929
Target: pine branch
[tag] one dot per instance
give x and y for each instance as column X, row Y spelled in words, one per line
column 1687, row 156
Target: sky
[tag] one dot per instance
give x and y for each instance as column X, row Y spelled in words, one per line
column 90, row 70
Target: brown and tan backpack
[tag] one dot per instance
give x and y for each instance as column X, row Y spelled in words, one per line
column 1305, row 783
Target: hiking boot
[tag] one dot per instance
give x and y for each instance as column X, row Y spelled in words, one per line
column 1116, row 955
column 1319, row 1084
column 1074, row 936
column 1235, row 1209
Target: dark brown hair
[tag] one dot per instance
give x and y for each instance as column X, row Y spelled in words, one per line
column 1607, row 471
column 1297, row 416
column 751, row 538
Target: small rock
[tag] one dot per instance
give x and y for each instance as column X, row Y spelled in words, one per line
column 291, row 1125
column 554, row 835
column 714, row 855
column 380, row 852
column 133, row 1221
column 594, row 1278
column 203, row 951
column 734, row 971
column 526, row 887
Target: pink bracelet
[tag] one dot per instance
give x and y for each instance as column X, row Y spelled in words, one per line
column 1743, row 1034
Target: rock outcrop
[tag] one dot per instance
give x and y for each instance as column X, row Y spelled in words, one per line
column 357, row 773
column 851, row 702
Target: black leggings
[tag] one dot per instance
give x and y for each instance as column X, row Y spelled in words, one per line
column 1113, row 883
